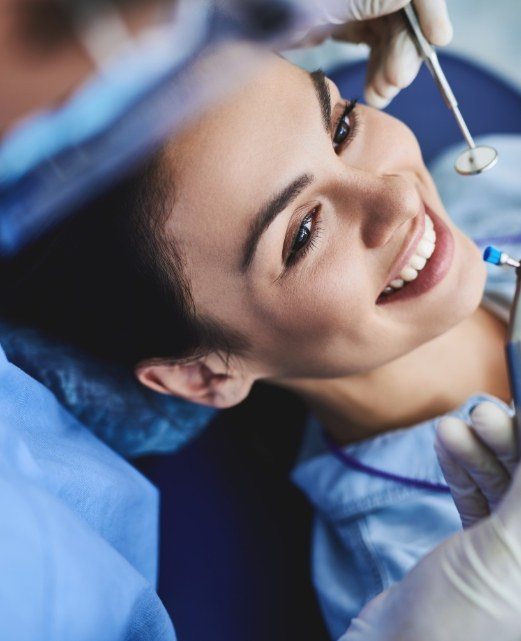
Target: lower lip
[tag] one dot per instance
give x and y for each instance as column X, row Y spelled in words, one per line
column 434, row 271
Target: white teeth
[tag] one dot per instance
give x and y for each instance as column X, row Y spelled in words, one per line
column 425, row 248
column 408, row 273
column 430, row 234
column 417, row 262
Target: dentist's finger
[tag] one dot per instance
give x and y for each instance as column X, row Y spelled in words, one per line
column 378, row 92
column 468, row 498
column 495, row 428
column 367, row 9
column 394, row 64
column 434, row 21
column 479, row 462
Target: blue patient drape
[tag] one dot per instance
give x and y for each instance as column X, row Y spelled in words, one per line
column 78, row 528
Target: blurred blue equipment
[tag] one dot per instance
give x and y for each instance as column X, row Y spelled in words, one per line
column 513, row 346
column 56, row 161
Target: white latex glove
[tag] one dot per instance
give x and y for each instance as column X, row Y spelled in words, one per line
column 468, row 588
column 394, row 60
column 477, row 459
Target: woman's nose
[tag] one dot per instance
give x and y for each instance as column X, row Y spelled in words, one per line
column 387, row 203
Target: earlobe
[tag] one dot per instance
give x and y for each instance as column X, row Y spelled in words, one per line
column 204, row 380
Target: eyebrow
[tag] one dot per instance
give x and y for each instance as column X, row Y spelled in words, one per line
column 269, row 212
column 324, row 96
column 278, row 203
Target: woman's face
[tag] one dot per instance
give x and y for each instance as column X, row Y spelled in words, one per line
column 293, row 216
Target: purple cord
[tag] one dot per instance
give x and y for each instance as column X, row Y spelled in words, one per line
column 352, row 462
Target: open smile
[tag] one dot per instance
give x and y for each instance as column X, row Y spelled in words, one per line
column 424, row 263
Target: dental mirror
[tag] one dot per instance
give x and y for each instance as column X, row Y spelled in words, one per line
column 474, row 160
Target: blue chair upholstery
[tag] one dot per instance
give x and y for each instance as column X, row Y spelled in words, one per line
column 235, row 534
column 488, row 104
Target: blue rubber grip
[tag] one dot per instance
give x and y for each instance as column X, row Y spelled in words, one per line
column 492, row 255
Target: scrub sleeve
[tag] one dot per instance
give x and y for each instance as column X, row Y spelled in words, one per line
column 79, row 528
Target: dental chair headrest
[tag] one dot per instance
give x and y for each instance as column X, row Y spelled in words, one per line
column 131, row 419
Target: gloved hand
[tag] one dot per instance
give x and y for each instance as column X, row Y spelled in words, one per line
column 468, row 588
column 394, row 60
column 477, row 459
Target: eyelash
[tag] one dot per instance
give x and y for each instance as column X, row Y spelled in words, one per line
column 349, row 108
column 313, row 216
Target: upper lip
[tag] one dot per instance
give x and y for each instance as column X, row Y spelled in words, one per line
column 412, row 238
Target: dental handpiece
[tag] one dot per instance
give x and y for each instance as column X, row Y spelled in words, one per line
column 513, row 344
column 475, row 159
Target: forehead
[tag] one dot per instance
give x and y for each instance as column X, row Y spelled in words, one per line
column 233, row 157
column 256, row 110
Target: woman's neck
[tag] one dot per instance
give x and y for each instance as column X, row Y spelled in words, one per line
column 432, row 380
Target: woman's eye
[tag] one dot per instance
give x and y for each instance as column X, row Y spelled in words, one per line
column 346, row 126
column 342, row 132
column 302, row 240
column 303, row 234
column 305, row 237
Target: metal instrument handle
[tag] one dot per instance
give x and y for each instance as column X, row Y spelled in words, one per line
column 513, row 353
column 427, row 52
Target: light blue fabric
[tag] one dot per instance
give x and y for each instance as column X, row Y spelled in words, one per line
column 487, row 207
column 79, row 528
column 369, row 531
column 108, row 399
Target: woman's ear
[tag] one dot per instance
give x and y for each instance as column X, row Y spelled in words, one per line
column 208, row 380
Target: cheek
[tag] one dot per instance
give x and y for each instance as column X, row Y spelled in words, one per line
column 332, row 302
column 326, row 325
column 320, row 324
column 469, row 279
column 389, row 145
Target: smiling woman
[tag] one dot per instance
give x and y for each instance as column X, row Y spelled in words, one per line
column 291, row 231
column 294, row 237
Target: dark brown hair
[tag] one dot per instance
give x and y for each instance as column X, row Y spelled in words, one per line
column 110, row 282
